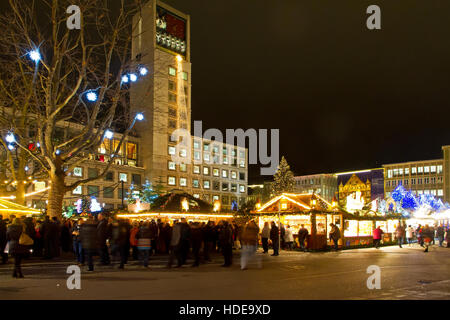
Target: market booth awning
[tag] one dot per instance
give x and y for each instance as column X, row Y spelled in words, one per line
column 8, row 208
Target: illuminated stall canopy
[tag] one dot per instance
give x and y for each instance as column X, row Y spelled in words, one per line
column 8, row 208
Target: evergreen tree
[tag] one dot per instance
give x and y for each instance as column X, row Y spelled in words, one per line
column 283, row 180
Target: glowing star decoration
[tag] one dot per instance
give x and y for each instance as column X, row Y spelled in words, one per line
column 143, row 71
column 35, row 56
column 140, row 117
column 91, row 96
column 109, row 134
column 10, row 138
column 185, row 204
column 95, row 205
column 355, row 201
column 133, row 77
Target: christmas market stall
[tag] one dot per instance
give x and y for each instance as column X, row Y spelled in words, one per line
column 8, row 208
column 309, row 209
column 174, row 206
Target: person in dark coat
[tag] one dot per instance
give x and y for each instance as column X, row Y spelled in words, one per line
column 185, row 241
column 17, row 250
column 3, row 241
column 275, row 238
column 302, row 234
column 440, row 233
column 282, row 234
column 38, row 245
column 144, row 243
column 226, row 243
column 66, row 236
column 77, row 246
column 46, row 233
column 209, row 237
column 120, row 237
column 335, row 235
column 55, row 237
column 102, row 235
column 428, row 236
column 154, row 237
column 196, row 242
column 89, row 241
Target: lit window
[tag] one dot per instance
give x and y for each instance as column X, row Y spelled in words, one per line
column 225, row 186
column 224, row 173
column 242, row 163
column 225, row 160
column 216, row 172
column 241, row 188
column 195, row 183
column 105, row 147
column 206, row 147
column 206, row 184
column 216, row 149
column 78, row 190
column 183, row 153
column 206, row 157
column 433, row 169
column 215, row 198
column 183, row 167
column 196, row 144
column 172, row 181
column 241, row 154
column 233, row 188
column 172, row 71
column 406, row 171
column 183, row 182
column 233, row 175
column 172, row 165
column 78, row 172
column 420, row 169
column 172, row 151
column 206, row 171
column 427, row 169
column 413, row 170
column 116, row 143
column 400, row 171
column 197, row 155
column 185, row 75
column 440, row 192
column 439, row 169
column 196, row 196
column 389, row 173
column 225, row 151
column 196, row 169
column 131, row 151
column 395, row 172
column 123, row 177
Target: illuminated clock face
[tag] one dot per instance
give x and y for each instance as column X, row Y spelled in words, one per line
column 171, row 31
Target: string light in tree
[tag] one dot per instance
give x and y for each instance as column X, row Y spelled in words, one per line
column 35, row 56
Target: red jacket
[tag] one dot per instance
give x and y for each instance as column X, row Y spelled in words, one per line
column 377, row 234
column 133, row 240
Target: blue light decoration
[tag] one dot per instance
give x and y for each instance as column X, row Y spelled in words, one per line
column 11, row 147
column 79, row 205
column 125, row 79
column 35, row 56
column 91, row 96
column 95, row 205
column 140, row 116
column 143, row 71
column 399, row 193
column 109, row 134
column 234, row 206
column 409, row 201
column 133, row 77
column 58, row 152
column 10, row 138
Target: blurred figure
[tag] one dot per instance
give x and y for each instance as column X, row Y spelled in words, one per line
column 209, row 238
column 196, row 242
column 38, row 245
column 419, row 235
column 302, row 234
column 17, row 250
column 377, row 233
column 66, row 237
column 428, row 235
column 133, row 241
column 3, row 230
column 282, row 234
column 89, row 241
column 409, row 235
column 185, row 237
column 265, row 235
column 175, row 245
column 103, row 235
column 440, row 232
column 144, row 243
column 120, row 236
column 226, row 243
column 335, row 235
column 288, row 238
column 447, row 237
column 154, row 234
column 77, row 246
column 275, row 238
column 400, row 234
column 55, row 237
column 249, row 244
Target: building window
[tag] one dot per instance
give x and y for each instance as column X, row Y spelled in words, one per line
column 123, row 177
column 195, row 183
column 419, row 181
column 242, row 163
column 433, row 180
column 406, row 182
column 389, row 173
column 206, row 171
column 105, row 147
column 185, row 76
column 92, row 173
column 216, row 186
column 136, row 179
column 406, row 171
column 241, row 188
column 196, row 169
column 172, row 97
column 426, row 180
column 108, row 192
column 440, row 192
column 216, row 198
column 206, row 157
column 215, row 149
column 172, row 71
column 172, row 123
column 395, row 172
column 216, row 172
column 427, row 169
column 233, row 187
column 400, row 171
column 93, row 191
column 196, row 144
column 413, row 170
column 183, row 153
column 413, row 181
column 183, row 167
column 172, row 151
column 225, row 160
column 225, row 200
column 78, row 172
column 439, row 169
column 388, row 183
column 116, row 143
column 241, row 154
column 172, row 165
column 439, row 179
column 196, row 196
column 233, row 175
column 171, row 181
column 206, row 184
column 183, row 182
column 78, row 190
column 205, row 146
column 225, row 186
column 224, row 173
column 197, row 155
column 109, row 176
column 420, row 169
column 131, row 151
column 172, row 86
column 241, row 175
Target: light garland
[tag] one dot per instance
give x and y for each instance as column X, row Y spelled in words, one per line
column 174, row 215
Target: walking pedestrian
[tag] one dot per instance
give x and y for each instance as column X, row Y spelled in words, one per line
column 440, row 232
column 120, row 237
column 185, row 240
column 282, row 233
column 18, row 250
column 89, row 241
column 226, row 243
column 209, row 240
column 77, row 246
column 288, row 238
column 196, row 242
column 409, row 234
column 447, row 237
column 249, row 241
column 377, row 233
column 144, row 243
column 428, row 235
column 302, row 234
column 103, row 231
column 265, row 235
column 419, row 235
column 335, row 235
column 400, row 234
column 133, row 241
column 275, row 238
column 66, row 236
column 3, row 242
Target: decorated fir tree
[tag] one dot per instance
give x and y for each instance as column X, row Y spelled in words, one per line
column 283, row 180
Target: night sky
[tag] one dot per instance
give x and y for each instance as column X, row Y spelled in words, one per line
column 343, row 96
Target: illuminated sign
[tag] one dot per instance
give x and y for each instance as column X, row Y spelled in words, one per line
column 171, row 31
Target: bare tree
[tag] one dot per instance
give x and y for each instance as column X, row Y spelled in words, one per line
column 63, row 89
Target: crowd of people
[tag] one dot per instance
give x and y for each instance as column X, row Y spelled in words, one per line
column 115, row 241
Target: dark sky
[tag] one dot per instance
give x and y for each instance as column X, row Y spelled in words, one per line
column 344, row 97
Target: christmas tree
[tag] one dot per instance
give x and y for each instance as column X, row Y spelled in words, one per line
column 283, row 180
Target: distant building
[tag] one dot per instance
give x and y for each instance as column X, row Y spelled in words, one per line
column 368, row 184
column 324, row 185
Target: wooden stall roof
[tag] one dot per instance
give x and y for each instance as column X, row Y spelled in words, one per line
column 295, row 203
column 8, row 208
